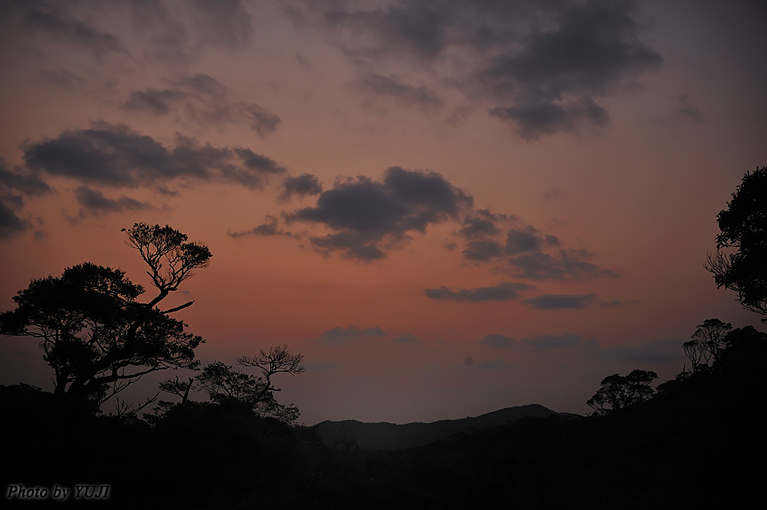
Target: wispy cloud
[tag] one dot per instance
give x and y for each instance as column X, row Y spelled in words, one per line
column 497, row 340
column 267, row 229
column 205, row 101
column 48, row 21
column 393, row 88
column 684, row 107
column 94, row 202
column 501, row 292
column 563, row 265
column 560, row 301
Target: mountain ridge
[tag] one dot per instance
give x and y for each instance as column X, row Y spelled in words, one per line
column 385, row 435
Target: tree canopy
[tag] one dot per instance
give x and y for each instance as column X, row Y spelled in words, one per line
column 743, row 226
column 233, row 388
column 707, row 343
column 95, row 334
column 622, row 391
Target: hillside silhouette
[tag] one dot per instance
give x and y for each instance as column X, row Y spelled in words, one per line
column 389, row 436
column 699, row 439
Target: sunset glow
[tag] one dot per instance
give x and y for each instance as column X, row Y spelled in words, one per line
column 447, row 207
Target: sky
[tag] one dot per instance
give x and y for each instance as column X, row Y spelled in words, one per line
column 447, row 206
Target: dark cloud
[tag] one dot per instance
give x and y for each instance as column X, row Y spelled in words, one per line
column 405, row 200
column 593, row 51
column 559, row 301
column 685, row 108
column 409, row 28
column 496, row 340
column 420, row 97
column 369, row 217
column 407, row 338
column 164, row 190
column 344, row 336
column 564, row 265
column 47, row 19
column 546, row 342
column 179, row 32
column 526, row 249
column 481, row 223
column 352, row 244
column 258, row 162
column 543, row 64
column 591, row 48
column 158, row 102
column 223, row 22
column 501, row 292
column 302, row 186
column 483, row 250
column 260, row 120
column 10, row 222
column 532, row 121
column 94, row 202
column 115, row 155
column 205, row 85
column 29, row 184
column 527, row 240
column 15, row 186
column 205, row 101
column 416, row 30
column 169, row 35
column 267, row 229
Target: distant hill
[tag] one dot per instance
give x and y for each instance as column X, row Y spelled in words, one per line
column 379, row 436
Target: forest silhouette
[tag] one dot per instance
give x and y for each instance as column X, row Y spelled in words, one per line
column 694, row 440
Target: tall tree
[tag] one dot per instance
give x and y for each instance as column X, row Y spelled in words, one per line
column 95, row 334
column 707, row 343
column 743, row 226
column 619, row 391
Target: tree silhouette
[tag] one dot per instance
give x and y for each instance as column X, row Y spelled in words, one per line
column 95, row 334
column 619, row 392
column 233, row 388
column 708, row 342
column 743, row 225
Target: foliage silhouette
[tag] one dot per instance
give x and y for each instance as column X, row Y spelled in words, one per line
column 232, row 388
column 707, row 343
column 619, row 392
column 95, row 334
column 743, row 225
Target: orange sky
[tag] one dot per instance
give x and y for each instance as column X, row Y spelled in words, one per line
column 556, row 175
